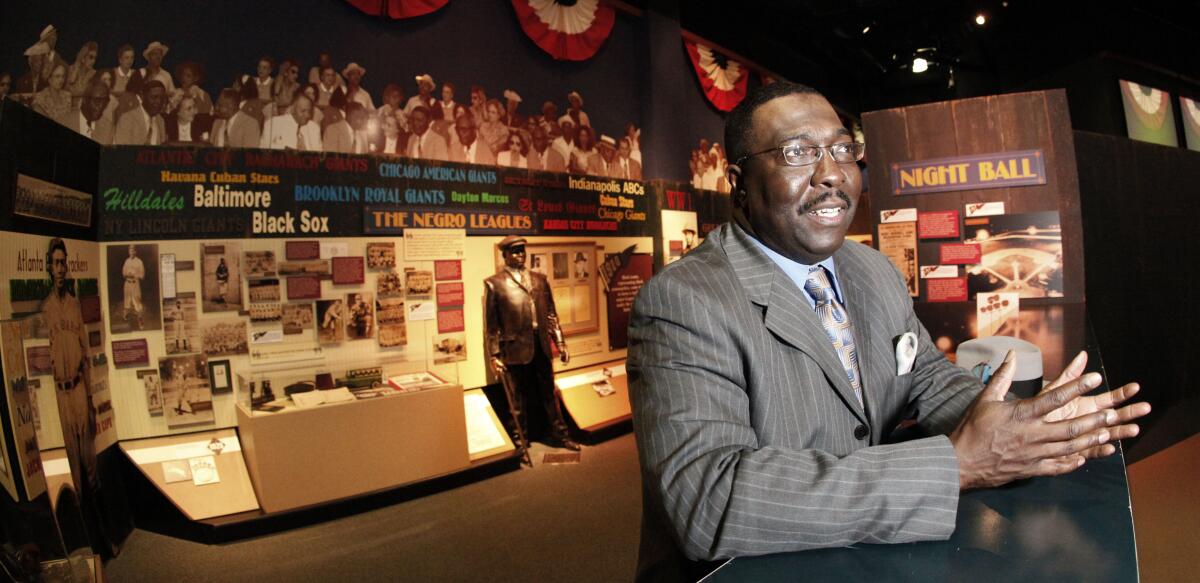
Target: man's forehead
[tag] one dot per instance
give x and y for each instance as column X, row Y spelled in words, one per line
column 795, row 116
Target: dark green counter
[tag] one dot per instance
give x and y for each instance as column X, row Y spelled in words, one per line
column 1076, row 527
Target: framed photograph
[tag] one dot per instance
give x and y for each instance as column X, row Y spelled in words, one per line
column 381, row 255
column 560, row 265
column 297, row 318
column 187, row 395
column 679, row 234
column 266, row 312
column 153, row 387
column 360, row 321
column 449, row 348
column 331, row 321
column 181, row 327
column 389, row 285
column 418, row 285
column 220, row 376
column 221, row 337
column 259, row 263
column 221, row 277
column 133, row 288
column 538, row 263
column 51, row 202
column 1021, row 253
column 390, row 318
column 581, row 267
column 571, row 275
column 264, row 290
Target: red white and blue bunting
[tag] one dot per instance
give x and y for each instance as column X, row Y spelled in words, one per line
column 723, row 79
column 568, row 30
column 398, row 9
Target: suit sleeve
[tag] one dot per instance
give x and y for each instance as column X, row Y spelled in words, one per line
column 941, row 392
column 556, row 334
column 725, row 494
column 491, row 319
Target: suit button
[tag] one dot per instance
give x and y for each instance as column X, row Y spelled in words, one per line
column 861, row 432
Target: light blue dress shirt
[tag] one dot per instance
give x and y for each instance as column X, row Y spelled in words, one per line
column 798, row 272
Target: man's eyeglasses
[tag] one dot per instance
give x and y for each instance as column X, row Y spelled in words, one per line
column 798, row 155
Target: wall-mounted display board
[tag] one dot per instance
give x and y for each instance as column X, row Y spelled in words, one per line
column 25, row 468
column 1191, row 122
column 1149, row 114
column 979, row 195
column 687, row 214
column 156, row 193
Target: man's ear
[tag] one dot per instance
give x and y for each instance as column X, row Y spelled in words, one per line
column 733, row 174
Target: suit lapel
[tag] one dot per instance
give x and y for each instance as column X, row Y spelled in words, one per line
column 787, row 313
column 857, row 300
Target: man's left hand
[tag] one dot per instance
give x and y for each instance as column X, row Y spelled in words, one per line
column 1085, row 405
column 563, row 355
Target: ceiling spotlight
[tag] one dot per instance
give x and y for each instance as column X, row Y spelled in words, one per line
column 866, row 29
column 980, row 19
column 920, row 65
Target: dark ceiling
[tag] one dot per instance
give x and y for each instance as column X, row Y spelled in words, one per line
column 823, row 43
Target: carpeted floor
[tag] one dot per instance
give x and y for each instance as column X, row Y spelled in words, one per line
column 1164, row 489
column 550, row 523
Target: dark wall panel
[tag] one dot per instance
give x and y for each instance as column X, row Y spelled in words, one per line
column 34, row 145
column 1139, row 204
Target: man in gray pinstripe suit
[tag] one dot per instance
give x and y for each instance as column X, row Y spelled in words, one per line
column 755, row 436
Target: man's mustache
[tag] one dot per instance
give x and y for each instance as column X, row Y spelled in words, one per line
column 824, row 197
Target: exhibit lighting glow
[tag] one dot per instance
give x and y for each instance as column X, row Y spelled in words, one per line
column 980, row 19
column 920, row 65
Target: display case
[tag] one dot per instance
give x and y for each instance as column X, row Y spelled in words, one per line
column 320, row 432
column 596, row 397
column 264, row 390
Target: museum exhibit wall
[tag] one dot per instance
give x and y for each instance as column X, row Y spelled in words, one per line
column 991, row 194
column 1035, row 121
column 145, row 198
column 49, row 173
column 35, row 151
column 1139, row 211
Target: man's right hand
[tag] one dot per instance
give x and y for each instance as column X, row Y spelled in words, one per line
column 498, row 365
column 999, row 441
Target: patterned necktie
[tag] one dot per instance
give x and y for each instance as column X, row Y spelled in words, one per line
column 300, row 145
column 837, row 325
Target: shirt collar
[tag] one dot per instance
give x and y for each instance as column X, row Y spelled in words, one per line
column 798, row 272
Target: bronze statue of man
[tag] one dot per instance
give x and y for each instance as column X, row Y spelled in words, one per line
column 522, row 335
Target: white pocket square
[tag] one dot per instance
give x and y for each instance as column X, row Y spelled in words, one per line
column 906, row 353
